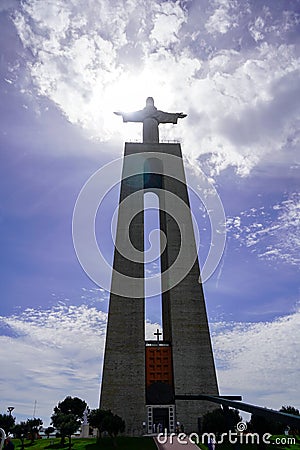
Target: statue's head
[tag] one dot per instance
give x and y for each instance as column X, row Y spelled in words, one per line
column 149, row 101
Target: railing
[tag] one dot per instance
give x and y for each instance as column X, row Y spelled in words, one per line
column 164, row 141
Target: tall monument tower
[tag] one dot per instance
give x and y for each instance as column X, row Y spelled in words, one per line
column 141, row 379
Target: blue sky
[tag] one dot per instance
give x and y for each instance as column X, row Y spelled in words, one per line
column 233, row 67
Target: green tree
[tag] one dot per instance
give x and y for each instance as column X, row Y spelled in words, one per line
column 294, row 411
column 73, row 405
column 48, row 431
column 67, row 416
column 66, row 424
column 7, row 422
column 114, row 425
column 260, row 424
column 105, row 420
column 95, row 420
column 220, row 420
column 290, row 410
column 20, row 431
column 34, row 426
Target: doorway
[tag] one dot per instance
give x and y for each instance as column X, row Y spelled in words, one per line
column 163, row 415
column 161, row 419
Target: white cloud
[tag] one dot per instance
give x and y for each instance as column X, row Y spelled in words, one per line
column 244, row 109
column 223, row 18
column 49, row 354
column 55, row 18
column 151, row 328
column 256, row 29
column 93, row 59
column 167, row 22
column 274, row 239
column 260, row 360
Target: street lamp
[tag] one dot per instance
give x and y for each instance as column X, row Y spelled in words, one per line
column 10, row 409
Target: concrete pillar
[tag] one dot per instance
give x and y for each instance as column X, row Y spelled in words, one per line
column 183, row 306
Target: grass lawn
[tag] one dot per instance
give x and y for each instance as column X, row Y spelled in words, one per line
column 124, row 443
column 127, row 443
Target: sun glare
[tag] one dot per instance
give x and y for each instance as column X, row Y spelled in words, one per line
column 129, row 93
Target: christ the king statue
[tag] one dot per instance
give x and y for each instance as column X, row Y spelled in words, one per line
column 151, row 118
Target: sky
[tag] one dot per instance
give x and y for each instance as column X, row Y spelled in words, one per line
column 233, row 67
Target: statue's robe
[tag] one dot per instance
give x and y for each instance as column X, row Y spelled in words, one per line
column 151, row 118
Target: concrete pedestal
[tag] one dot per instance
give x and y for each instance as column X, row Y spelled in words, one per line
column 183, row 306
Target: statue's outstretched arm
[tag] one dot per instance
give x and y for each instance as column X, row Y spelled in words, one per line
column 165, row 117
column 137, row 116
